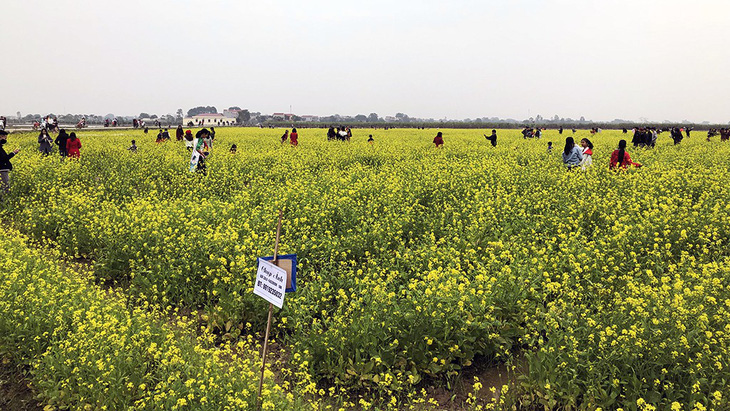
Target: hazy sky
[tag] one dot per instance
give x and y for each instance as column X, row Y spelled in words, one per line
column 602, row 59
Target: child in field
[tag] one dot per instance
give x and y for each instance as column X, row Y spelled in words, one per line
column 285, row 136
column 620, row 158
column 294, row 137
column 572, row 154
column 439, row 140
column 234, row 148
column 371, row 140
column 587, row 153
column 550, row 147
column 493, row 138
column 133, row 147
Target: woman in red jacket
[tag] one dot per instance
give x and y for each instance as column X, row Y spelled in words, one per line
column 73, row 145
column 620, row 158
column 294, row 137
column 439, row 139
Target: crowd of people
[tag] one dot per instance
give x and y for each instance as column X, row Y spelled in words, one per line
column 200, row 145
column 339, row 134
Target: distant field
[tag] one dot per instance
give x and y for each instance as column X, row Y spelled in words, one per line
column 420, row 268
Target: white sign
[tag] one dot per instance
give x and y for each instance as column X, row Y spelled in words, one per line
column 270, row 283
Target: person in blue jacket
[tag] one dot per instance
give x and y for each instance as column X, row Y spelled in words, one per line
column 572, row 154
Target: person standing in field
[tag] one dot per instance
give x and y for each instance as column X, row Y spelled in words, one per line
column 133, row 147
column 61, row 139
column 5, row 166
column 371, row 140
column 165, row 135
column 492, row 138
column 724, row 135
column 587, row 148
column 294, row 137
column 189, row 140
column 331, row 134
column 285, row 136
column 200, row 146
column 676, row 135
column 44, row 143
column 73, row 146
column 572, row 154
column 620, row 158
column 179, row 134
column 550, row 147
column 439, row 140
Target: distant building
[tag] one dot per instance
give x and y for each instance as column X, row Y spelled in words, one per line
column 209, row 119
column 282, row 116
column 310, row 118
column 390, row 118
column 231, row 113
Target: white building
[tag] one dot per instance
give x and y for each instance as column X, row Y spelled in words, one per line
column 209, row 119
column 310, row 118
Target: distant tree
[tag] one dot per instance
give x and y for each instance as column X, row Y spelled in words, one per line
column 143, row 115
column 373, row 117
column 202, row 110
column 361, row 117
column 234, row 108
column 400, row 116
column 538, row 118
column 154, row 116
column 243, row 116
column 18, row 114
column 556, row 118
column 179, row 114
column 582, row 119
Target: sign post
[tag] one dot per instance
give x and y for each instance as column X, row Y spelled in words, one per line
column 263, row 267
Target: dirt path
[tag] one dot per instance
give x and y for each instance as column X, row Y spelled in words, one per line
column 15, row 395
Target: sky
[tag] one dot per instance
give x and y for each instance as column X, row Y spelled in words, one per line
column 604, row 59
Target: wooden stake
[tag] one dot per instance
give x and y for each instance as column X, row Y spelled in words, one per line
column 275, row 261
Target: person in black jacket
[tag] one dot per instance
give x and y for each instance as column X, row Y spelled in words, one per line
column 5, row 166
column 60, row 141
column 676, row 135
column 493, row 138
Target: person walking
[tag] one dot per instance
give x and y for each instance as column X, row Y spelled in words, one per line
column 45, row 143
column 620, row 158
column 439, row 140
column 179, row 134
column 60, row 141
column 73, row 146
column 294, row 137
column 5, row 166
column 572, row 154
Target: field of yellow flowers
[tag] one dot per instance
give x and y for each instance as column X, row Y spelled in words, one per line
column 417, row 266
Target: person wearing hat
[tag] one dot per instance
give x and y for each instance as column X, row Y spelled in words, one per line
column 5, row 166
column 189, row 140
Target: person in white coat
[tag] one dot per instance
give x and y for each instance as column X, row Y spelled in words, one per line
column 587, row 148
